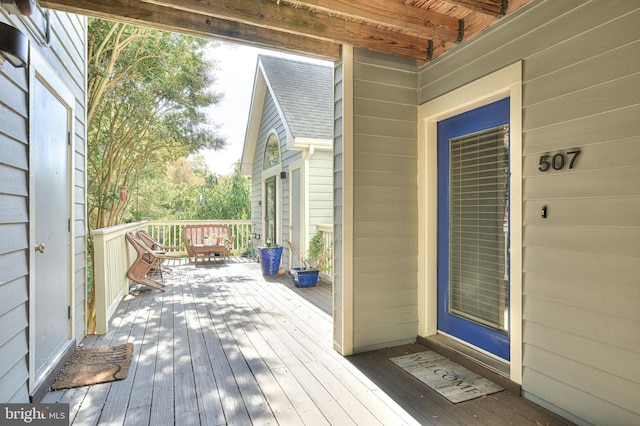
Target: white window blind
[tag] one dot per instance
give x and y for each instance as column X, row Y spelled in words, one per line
column 478, row 227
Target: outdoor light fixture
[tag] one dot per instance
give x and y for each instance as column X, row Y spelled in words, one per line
column 14, row 46
column 283, row 175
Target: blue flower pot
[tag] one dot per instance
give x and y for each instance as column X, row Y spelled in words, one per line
column 270, row 259
column 304, row 278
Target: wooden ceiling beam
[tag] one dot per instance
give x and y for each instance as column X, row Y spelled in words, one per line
column 392, row 14
column 169, row 19
column 302, row 21
column 488, row 7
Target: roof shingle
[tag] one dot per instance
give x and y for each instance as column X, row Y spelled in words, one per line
column 304, row 92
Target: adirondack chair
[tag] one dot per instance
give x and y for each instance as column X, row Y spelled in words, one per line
column 146, row 262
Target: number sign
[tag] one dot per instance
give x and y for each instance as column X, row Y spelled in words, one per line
column 558, row 161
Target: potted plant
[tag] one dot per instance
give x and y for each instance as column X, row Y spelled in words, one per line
column 307, row 274
column 270, row 258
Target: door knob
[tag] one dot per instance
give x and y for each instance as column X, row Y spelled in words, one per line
column 40, row 248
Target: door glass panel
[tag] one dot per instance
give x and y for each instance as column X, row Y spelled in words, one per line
column 478, row 227
column 270, row 209
column 271, row 152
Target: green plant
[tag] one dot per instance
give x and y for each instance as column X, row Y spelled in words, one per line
column 316, row 245
column 317, row 255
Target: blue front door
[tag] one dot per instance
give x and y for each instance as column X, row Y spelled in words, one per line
column 473, row 227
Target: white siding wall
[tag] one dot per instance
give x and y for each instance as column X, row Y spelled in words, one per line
column 320, row 190
column 270, row 121
column 67, row 55
column 14, row 222
column 320, row 179
column 581, row 324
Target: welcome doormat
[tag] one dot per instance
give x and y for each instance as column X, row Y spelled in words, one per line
column 449, row 379
column 92, row 366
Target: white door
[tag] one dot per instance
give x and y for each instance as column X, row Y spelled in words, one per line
column 50, row 254
column 296, row 211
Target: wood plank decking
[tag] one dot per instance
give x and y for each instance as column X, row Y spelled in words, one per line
column 225, row 346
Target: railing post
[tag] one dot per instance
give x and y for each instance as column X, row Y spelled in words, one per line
column 110, row 271
column 99, row 283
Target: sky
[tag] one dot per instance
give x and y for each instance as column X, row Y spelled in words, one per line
column 236, row 67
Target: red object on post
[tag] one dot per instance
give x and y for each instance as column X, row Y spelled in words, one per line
column 123, row 193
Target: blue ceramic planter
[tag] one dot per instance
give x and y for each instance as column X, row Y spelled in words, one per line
column 270, row 259
column 304, row 278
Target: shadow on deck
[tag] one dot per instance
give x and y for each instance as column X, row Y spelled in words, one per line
column 225, row 345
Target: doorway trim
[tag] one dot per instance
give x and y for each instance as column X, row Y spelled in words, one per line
column 301, row 197
column 506, row 82
column 39, row 69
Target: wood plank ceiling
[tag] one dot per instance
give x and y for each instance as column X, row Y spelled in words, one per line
column 418, row 29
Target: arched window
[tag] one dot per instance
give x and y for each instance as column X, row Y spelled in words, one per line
column 271, row 152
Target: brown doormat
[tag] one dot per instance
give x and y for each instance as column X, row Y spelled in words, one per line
column 449, row 379
column 92, row 366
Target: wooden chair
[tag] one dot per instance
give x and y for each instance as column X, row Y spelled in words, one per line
column 146, row 262
column 158, row 249
column 154, row 244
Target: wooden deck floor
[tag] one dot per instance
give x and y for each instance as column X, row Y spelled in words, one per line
column 225, row 346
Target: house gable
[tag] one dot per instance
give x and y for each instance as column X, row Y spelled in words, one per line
column 299, row 91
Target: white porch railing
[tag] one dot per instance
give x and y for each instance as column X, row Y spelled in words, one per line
column 326, row 271
column 169, row 232
column 112, row 257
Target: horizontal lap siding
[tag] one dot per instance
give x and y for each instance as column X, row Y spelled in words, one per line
column 339, row 308
column 14, row 281
column 320, row 190
column 67, row 56
column 270, row 121
column 69, row 59
column 385, row 213
column 581, row 86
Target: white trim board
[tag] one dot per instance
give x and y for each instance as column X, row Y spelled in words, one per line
column 497, row 85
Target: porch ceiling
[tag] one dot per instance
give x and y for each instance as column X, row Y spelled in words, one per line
column 418, row 29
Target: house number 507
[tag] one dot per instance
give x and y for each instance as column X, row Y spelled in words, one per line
column 558, row 161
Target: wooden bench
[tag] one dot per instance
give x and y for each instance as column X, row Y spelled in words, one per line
column 220, row 245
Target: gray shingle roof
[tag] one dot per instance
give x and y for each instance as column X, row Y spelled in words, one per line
column 304, row 92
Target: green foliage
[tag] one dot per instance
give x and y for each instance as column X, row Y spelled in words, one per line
column 317, row 257
column 226, row 198
column 316, row 245
column 147, row 91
